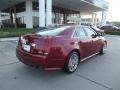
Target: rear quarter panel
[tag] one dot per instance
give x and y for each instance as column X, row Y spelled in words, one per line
column 61, row 48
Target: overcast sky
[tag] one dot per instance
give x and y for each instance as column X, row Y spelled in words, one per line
column 114, row 10
column 113, row 13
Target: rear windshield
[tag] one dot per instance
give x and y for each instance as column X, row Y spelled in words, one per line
column 51, row 32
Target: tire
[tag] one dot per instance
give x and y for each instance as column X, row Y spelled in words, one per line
column 72, row 62
column 103, row 50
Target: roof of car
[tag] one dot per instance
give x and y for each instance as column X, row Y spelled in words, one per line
column 57, row 26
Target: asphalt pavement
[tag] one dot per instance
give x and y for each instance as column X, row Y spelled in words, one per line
column 102, row 72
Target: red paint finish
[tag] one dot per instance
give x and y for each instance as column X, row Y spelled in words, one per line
column 52, row 51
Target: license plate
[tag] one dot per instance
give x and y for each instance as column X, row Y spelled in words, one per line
column 26, row 48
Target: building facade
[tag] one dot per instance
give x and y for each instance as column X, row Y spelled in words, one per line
column 41, row 13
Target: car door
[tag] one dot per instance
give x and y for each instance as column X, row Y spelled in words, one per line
column 92, row 35
column 83, row 41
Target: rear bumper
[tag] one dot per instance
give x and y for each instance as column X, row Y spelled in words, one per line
column 31, row 59
column 46, row 62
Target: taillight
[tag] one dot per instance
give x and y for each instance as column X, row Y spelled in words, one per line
column 38, row 45
column 41, row 51
column 19, row 43
column 20, row 40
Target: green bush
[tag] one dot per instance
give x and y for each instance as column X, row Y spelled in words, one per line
column 112, row 32
column 14, row 32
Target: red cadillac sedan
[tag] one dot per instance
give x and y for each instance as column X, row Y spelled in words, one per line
column 60, row 48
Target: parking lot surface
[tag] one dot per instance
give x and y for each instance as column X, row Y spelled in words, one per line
column 101, row 72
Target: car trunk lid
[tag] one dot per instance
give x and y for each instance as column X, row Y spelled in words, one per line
column 36, row 44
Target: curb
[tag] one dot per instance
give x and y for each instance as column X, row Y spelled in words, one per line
column 8, row 39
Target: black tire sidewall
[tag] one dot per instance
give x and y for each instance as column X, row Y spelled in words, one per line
column 102, row 50
column 66, row 68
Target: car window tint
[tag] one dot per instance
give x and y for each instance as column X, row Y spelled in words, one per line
column 89, row 31
column 53, row 32
column 79, row 32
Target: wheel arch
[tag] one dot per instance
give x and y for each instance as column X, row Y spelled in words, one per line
column 66, row 62
column 75, row 50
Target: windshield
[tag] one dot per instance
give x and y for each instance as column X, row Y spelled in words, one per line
column 51, row 32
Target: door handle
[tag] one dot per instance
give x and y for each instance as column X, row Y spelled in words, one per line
column 72, row 43
column 80, row 42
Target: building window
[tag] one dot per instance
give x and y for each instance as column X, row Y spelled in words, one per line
column 35, row 22
column 21, row 22
column 20, row 7
column 53, row 17
column 58, row 18
column 35, row 5
column 4, row 14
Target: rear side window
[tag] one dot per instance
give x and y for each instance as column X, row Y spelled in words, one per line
column 51, row 32
column 89, row 31
column 79, row 32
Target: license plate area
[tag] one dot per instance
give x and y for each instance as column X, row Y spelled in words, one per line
column 26, row 47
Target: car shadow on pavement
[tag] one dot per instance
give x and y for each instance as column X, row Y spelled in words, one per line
column 40, row 74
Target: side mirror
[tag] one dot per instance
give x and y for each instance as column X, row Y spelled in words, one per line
column 93, row 36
